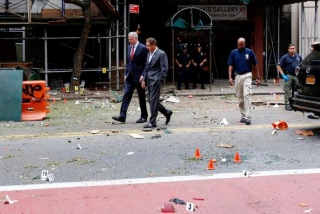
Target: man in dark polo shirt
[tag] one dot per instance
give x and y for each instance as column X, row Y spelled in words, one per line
column 241, row 61
column 286, row 66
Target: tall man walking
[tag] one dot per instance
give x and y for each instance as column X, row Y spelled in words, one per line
column 155, row 74
column 286, row 66
column 241, row 61
column 136, row 63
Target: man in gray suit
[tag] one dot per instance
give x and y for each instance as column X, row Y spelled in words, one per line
column 155, row 74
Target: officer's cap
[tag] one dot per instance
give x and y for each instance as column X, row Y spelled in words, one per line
column 184, row 47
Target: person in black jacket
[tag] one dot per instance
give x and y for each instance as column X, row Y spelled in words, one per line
column 136, row 63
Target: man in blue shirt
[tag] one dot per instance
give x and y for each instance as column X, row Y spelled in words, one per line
column 241, row 62
column 286, row 66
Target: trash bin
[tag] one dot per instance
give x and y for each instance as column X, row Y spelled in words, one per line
column 10, row 94
column 30, row 73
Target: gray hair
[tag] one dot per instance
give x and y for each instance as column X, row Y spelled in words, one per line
column 133, row 34
column 241, row 39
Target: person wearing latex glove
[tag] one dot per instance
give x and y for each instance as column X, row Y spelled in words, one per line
column 286, row 67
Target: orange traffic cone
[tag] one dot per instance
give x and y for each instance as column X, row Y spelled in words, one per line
column 197, row 154
column 65, row 100
column 237, row 158
column 210, row 165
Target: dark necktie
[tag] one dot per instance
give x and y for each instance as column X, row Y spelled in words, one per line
column 132, row 52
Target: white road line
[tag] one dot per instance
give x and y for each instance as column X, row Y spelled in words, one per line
column 158, row 179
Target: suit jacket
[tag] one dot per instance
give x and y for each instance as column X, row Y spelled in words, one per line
column 136, row 66
column 157, row 68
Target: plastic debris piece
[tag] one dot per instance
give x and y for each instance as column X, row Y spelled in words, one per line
column 312, row 116
column 167, row 131
column 79, row 147
column 167, row 208
column 36, row 177
column 225, row 145
column 224, row 122
column 304, row 132
column 177, row 201
column 308, row 211
column 147, row 130
column 94, row 131
column 156, row 136
column 253, row 202
column 136, row 136
column 273, row 131
column 223, row 160
column 172, row 99
column 130, row 153
column 303, row 204
column 7, row 200
column 198, row 199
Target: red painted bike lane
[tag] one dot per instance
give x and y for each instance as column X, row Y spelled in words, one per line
column 256, row 194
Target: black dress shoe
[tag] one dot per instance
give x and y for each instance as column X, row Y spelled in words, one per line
column 168, row 116
column 141, row 120
column 119, row 118
column 149, row 125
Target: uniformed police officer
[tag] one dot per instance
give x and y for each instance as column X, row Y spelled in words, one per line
column 183, row 60
column 286, row 66
column 198, row 60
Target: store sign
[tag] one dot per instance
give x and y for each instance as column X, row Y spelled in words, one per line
column 222, row 12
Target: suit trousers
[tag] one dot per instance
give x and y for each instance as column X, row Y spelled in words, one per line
column 243, row 85
column 130, row 85
column 154, row 101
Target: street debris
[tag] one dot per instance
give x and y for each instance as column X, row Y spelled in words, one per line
column 308, row 211
column 273, row 131
column 7, row 200
column 304, row 132
column 303, row 204
column 223, row 160
column 300, row 138
column 253, row 202
column 224, row 122
column 77, row 102
column 198, row 199
column 130, row 153
column 114, row 131
column 167, row 208
column 136, row 136
column 167, row 131
column 147, row 130
column 246, row 173
column 81, row 148
column 177, row 201
column 172, row 99
column 156, row 136
column 94, row 131
column 204, row 117
column 225, row 145
column 312, row 116
column 190, row 96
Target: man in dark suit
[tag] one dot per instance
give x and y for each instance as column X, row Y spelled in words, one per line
column 155, row 74
column 136, row 63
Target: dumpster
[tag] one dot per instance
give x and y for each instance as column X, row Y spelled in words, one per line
column 10, row 94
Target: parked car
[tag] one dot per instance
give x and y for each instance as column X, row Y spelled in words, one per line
column 306, row 96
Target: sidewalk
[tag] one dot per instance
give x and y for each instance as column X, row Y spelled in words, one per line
column 219, row 87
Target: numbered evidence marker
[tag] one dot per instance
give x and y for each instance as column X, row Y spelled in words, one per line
column 104, row 70
column 50, row 177
column 44, row 175
column 246, row 174
column 190, row 207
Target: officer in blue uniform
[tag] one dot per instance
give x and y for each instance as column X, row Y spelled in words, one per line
column 198, row 60
column 286, row 66
column 183, row 60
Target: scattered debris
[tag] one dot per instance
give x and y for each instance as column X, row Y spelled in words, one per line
column 172, row 99
column 7, row 200
column 136, row 136
column 130, row 153
column 177, row 201
column 303, row 204
column 36, row 177
column 225, row 145
column 204, row 117
column 114, row 131
column 94, row 131
column 198, row 199
column 116, row 96
column 300, row 138
column 224, row 122
column 253, row 202
column 308, row 211
column 304, row 132
column 223, row 160
column 273, row 131
column 156, row 136
column 147, row 130
column 190, row 96
column 167, row 131
column 167, row 208
column 280, row 124
column 77, row 102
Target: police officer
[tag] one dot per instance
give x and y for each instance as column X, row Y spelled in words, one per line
column 183, row 60
column 286, row 66
column 198, row 60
